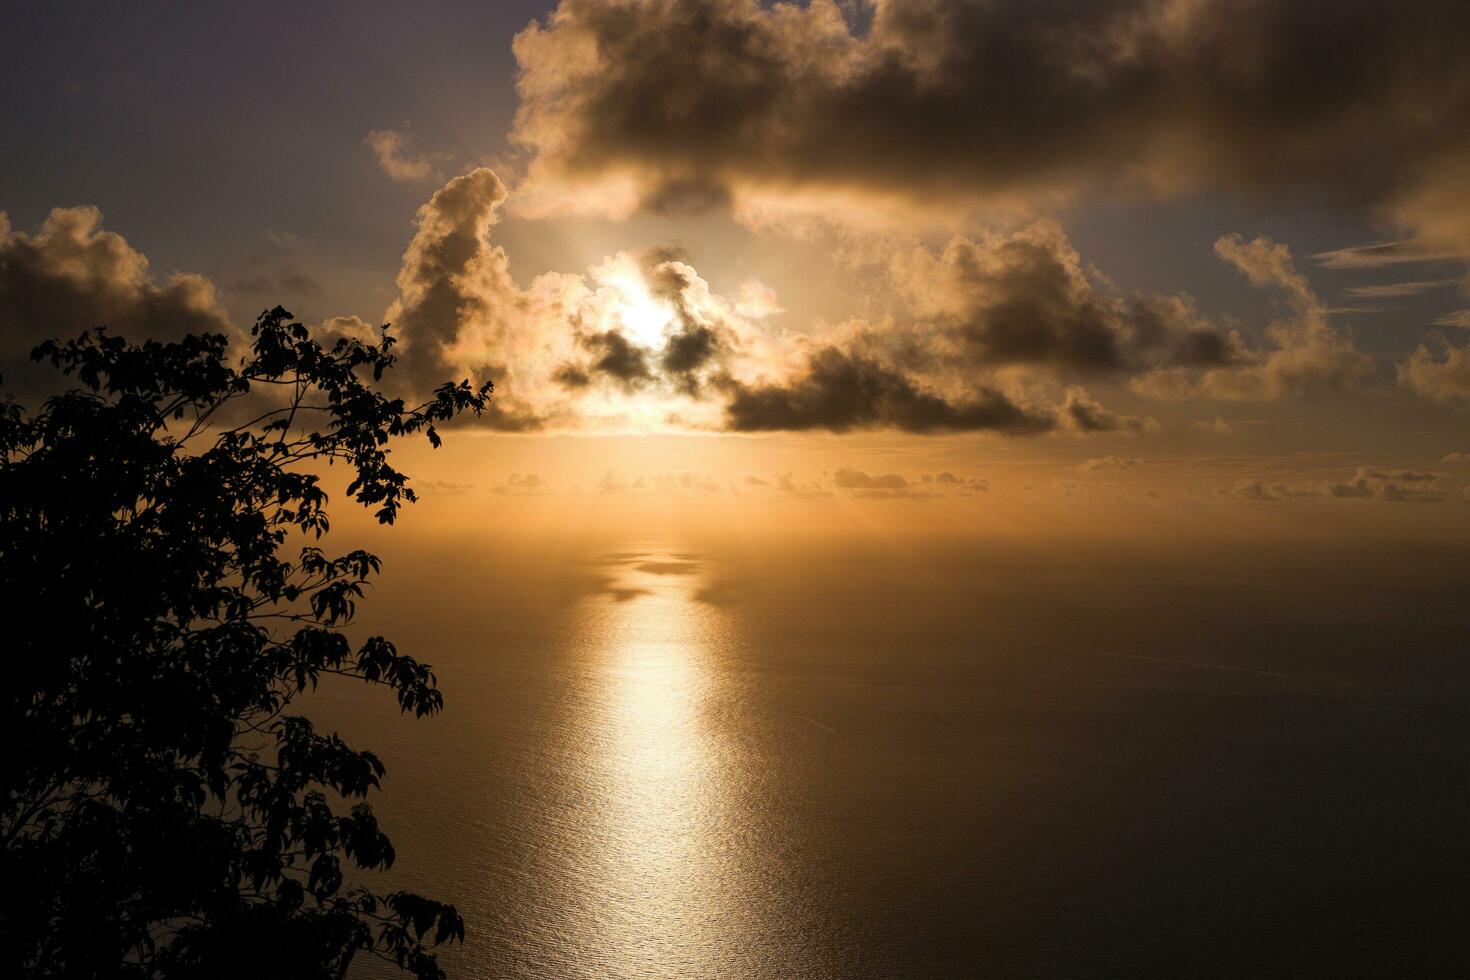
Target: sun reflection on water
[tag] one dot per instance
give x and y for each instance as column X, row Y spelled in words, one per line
column 654, row 858
column 658, row 778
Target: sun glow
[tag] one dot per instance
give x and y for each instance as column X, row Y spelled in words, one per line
column 645, row 318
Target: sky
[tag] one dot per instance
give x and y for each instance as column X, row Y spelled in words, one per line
column 1119, row 266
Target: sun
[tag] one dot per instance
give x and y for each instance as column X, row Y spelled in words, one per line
column 645, row 317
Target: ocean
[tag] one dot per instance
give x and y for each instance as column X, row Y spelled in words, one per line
column 916, row 758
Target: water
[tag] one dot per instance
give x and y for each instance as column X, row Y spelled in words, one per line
column 665, row 760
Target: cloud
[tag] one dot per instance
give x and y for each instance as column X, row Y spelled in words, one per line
column 972, row 326
column 788, row 486
column 1216, row 426
column 457, row 311
column 619, row 359
column 1080, row 412
column 637, row 340
column 861, row 484
column 677, row 483
column 1256, row 490
column 1376, row 255
column 1304, row 350
column 522, row 484
column 72, row 275
column 1395, row 290
column 685, row 482
column 877, row 486
column 1443, row 378
column 1367, row 483
column 275, row 274
column 612, row 483
column 444, row 488
column 847, row 478
column 1024, row 299
column 985, row 335
column 351, row 327
column 1391, row 486
column 951, row 482
column 681, row 104
column 1267, row 263
column 396, row 159
column 1456, row 458
column 841, row 391
column 1459, row 318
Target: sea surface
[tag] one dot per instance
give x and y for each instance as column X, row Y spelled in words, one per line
column 910, row 759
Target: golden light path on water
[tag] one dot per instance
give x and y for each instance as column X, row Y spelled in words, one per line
column 671, row 882
column 659, row 769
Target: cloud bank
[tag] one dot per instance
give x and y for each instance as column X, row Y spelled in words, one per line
column 681, row 105
column 1006, row 333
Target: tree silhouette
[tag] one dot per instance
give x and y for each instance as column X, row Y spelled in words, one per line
column 165, row 813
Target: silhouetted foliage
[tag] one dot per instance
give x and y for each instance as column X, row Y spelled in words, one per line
column 165, row 814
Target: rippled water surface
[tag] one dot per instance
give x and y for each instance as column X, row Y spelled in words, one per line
column 664, row 761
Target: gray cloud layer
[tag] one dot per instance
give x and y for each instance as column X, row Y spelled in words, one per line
column 695, row 100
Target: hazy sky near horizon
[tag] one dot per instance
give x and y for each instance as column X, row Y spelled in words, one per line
column 1176, row 261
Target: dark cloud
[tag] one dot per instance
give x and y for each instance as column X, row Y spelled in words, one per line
column 619, row 358
column 698, row 343
column 571, row 376
column 1082, row 413
column 1025, row 299
column 457, row 303
column 842, row 391
column 679, row 197
column 450, row 273
column 696, row 100
column 72, row 276
column 686, row 352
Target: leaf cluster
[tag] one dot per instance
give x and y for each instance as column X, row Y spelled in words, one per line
column 166, row 814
